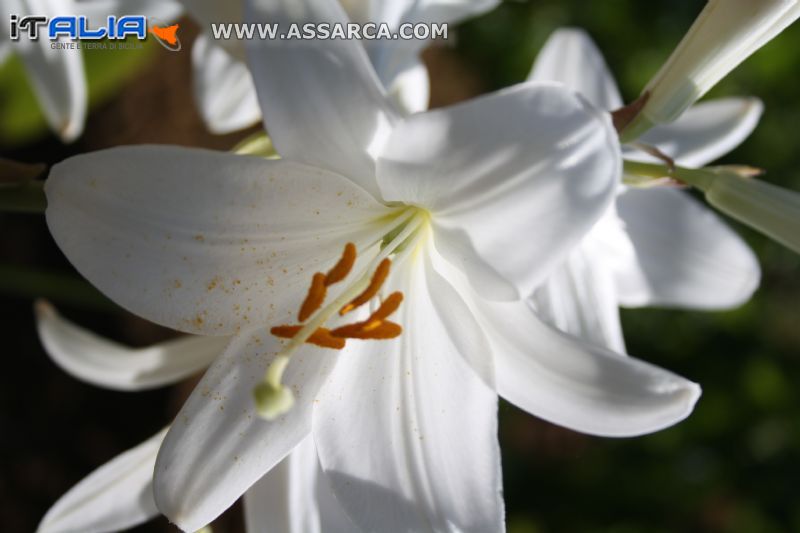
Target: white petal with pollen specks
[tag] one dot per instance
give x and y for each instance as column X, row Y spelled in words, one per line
column 685, row 254
column 570, row 57
column 56, row 76
column 513, row 180
column 294, row 497
column 218, row 446
column 108, row 364
column 223, row 88
column 116, row 496
column 322, row 101
column 200, row 241
column 406, row 429
column 705, row 132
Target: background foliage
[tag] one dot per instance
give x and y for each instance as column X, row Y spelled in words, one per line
column 732, row 467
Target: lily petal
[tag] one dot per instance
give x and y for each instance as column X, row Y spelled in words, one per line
column 223, row 88
column 406, row 430
column 200, row 241
column 411, row 88
column 218, row 446
column 393, row 59
column 580, row 298
column 294, row 497
column 586, row 388
column 704, row 133
column 686, row 255
column 116, row 496
column 322, row 102
column 570, row 57
column 56, row 76
column 513, row 180
column 107, row 364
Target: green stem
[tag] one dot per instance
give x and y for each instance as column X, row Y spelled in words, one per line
column 699, row 178
column 26, row 197
column 635, row 129
column 61, row 288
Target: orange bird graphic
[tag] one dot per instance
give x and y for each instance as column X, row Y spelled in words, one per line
column 166, row 34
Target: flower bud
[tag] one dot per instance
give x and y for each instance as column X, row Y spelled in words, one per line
column 726, row 33
column 772, row 210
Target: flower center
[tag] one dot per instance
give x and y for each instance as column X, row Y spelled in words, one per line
column 272, row 397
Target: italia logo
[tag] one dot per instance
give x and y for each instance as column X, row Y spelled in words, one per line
column 78, row 28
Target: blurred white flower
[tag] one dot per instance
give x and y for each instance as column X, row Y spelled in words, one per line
column 726, row 33
column 223, row 85
column 473, row 203
column 654, row 246
column 57, row 76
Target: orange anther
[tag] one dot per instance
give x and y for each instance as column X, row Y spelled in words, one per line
column 315, row 298
column 341, row 269
column 384, row 330
column 321, row 337
column 285, row 332
column 375, row 284
column 388, row 306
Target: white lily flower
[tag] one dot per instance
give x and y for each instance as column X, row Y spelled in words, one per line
column 223, row 85
column 655, row 246
column 473, row 202
column 725, row 34
column 57, row 76
column 291, row 498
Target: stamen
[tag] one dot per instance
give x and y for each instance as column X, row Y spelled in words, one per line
column 272, row 397
column 384, row 330
column 316, row 296
column 388, row 306
column 375, row 284
column 341, row 269
column 321, row 337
